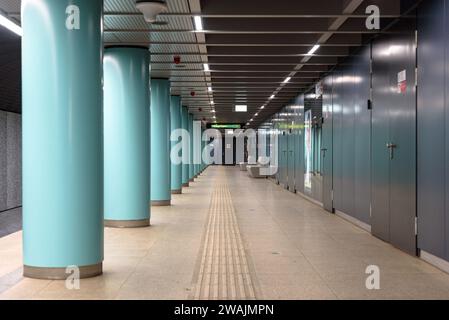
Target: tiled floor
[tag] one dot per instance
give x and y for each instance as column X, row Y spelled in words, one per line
column 293, row 249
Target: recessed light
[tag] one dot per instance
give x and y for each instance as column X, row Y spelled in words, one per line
column 262, row 107
column 272, row 97
column 11, row 26
column 198, row 23
column 241, row 108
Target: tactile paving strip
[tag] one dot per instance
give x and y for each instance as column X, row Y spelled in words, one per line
column 224, row 273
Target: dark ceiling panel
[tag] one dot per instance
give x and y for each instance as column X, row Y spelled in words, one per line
column 251, row 46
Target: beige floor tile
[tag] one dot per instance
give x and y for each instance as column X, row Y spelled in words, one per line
column 294, row 250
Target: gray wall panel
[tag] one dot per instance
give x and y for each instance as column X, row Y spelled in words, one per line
column 14, row 160
column 362, row 137
column 327, row 155
column 446, row 191
column 337, row 138
column 348, row 152
column 351, row 137
column 3, row 163
column 432, row 203
column 299, row 176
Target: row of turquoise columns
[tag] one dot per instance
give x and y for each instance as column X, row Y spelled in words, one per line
column 88, row 163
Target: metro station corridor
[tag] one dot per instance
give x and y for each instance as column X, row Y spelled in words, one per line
column 195, row 152
column 287, row 247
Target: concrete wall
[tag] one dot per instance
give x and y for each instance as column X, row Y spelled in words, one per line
column 10, row 160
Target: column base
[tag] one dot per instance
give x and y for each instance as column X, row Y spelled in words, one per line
column 127, row 223
column 60, row 273
column 185, row 185
column 179, row 191
column 161, row 203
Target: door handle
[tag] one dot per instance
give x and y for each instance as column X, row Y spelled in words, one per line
column 323, row 150
column 391, row 147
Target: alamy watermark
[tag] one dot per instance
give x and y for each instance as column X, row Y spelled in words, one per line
column 255, row 147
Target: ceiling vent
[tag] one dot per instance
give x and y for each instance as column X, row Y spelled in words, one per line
column 151, row 9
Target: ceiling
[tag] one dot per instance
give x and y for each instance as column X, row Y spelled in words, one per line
column 251, row 46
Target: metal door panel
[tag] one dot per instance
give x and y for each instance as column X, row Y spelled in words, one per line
column 431, row 128
column 362, row 135
column 403, row 134
column 291, row 161
column 299, row 174
column 283, row 157
column 327, row 151
column 347, row 131
column 337, row 138
column 362, row 129
column 380, row 220
column 394, row 122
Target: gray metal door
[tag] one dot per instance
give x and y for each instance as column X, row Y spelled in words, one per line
column 291, row 160
column 284, row 172
column 299, row 137
column 394, row 141
column 326, row 148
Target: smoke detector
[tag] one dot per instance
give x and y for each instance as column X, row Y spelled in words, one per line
column 151, row 9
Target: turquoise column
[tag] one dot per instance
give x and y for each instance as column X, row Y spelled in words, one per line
column 176, row 124
column 201, row 151
column 196, row 148
column 160, row 143
column 203, row 145
column 185, row 147
column 191, row 165
column 62, row 138
column 126, row 137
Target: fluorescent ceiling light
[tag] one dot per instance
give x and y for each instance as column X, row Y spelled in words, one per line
column 11, row 26
column 206, row 67
column 212, row 102
column 241, row 108
column 213, row 111
column 272, row 97
column 251, row 120
column 262, row 107
column 287, row 79
column 198, row 23
column 256, row 114
column 209, row 89
column 314, row 49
